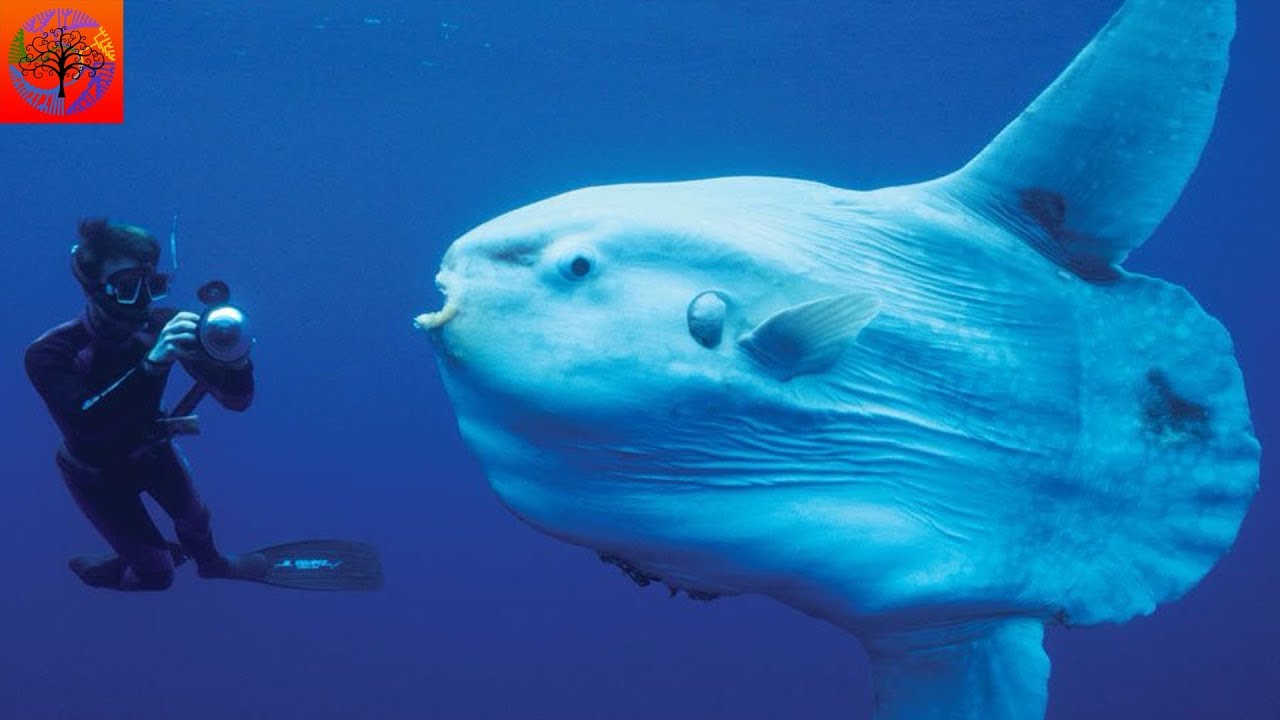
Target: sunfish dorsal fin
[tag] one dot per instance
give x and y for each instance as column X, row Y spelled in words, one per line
column 809, row 337
column 1094, row 164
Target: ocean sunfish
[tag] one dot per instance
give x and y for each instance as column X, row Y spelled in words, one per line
column 939, row 416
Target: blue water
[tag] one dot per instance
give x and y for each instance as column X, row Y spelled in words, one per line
column 323, row 157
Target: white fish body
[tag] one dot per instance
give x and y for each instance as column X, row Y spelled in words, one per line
column 939, row 416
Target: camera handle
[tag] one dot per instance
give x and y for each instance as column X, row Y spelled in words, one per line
column 179, row 420
column 189, row 401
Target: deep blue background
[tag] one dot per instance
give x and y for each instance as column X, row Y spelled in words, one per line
column 323, row 171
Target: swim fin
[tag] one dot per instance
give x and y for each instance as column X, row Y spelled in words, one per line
column 309, row 565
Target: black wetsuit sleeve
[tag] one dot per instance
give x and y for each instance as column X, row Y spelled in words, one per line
column 78, row 407
column 232, row 387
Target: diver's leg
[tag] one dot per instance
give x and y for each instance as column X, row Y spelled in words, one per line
column 170, row 484
column 143, row 560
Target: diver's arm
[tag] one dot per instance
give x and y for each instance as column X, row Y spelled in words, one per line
column 74, row 404
column 230, row 385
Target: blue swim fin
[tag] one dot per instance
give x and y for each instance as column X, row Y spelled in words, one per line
column 311, row 565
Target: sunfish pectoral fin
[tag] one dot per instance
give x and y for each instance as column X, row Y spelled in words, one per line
column 981, row 670
column 1094, row 164
column 809, row 337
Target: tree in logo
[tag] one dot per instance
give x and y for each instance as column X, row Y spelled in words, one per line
column 62, row 61
column 60, row 53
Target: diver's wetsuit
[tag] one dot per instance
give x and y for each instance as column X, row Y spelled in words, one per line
column 106, row 401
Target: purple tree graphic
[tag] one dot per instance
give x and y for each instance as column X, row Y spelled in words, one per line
column 61, row 53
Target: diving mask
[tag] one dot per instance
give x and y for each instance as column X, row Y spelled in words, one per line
column 125, row 286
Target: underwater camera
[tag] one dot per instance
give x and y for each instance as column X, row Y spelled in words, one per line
column 223, row 335
column 224, row 332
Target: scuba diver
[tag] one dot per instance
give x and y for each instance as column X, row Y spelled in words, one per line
column 103, row 375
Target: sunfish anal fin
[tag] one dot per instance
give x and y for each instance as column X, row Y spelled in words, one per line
column 809, row 337
column 981, row 670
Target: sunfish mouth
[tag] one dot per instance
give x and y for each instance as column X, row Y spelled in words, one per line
column 436, row 320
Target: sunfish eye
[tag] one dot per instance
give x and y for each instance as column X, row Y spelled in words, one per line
column 706, row 316
column 577, row 264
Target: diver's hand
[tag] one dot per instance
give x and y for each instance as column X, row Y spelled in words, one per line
column 177, row 340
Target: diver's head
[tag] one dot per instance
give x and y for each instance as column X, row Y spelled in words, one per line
column 116, row 267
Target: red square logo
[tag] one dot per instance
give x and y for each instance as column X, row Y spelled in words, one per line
column 64, row 61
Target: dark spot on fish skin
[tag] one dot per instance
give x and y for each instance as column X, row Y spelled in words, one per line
column 1047, row 208
column 517, row 253
column 1170, row 415
column 1077, row 252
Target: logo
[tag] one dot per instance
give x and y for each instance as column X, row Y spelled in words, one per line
column 309, row 564
column 64, row 63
